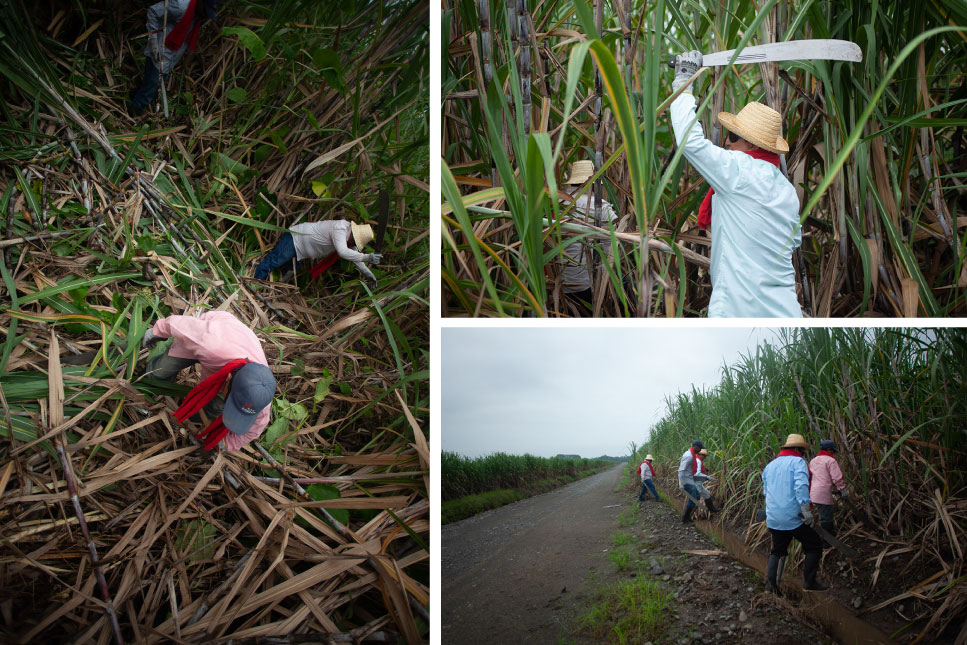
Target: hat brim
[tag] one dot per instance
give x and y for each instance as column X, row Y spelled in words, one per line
column 730, row 122
column 235, row 420
column 796, row 445
column 576, row 180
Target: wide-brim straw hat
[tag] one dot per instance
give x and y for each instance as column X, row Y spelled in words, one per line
column 581, row 171
column 758, row 124
column 795, row 441
column 703, row 451
column 362, row 234
column 648, row 457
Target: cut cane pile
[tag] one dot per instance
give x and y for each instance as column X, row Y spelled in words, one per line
column 108, row 228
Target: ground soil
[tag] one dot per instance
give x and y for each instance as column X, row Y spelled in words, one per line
column 527, row 571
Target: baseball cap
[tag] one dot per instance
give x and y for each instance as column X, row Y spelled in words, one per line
column 253, row 386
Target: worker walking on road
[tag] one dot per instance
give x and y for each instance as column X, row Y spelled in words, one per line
column 751, row 207
column 688, row 475
column 237, row 385
column 326, row 241
column 785, row 482
column 703, row 492
column 825, row 479
column 647, row 473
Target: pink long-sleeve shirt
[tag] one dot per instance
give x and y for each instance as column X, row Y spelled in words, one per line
column 214, row 339
column 825, row 474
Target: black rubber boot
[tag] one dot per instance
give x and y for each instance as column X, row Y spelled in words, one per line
column 810, row 568
column 710, row 506
column 772, row 584
column 687, row 515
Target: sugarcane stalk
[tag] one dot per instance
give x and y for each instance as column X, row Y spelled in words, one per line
column 161, row 59
column 525, row 63
column 95, row 562
column 203, row 607
column 17, row 241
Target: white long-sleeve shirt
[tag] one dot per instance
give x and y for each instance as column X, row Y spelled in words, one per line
column 755, row 225
column 156, row 23
column 317, row 240
column 575, row 275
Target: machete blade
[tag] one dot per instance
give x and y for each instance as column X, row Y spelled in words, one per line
column 381, row 220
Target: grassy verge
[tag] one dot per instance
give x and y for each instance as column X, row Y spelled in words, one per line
column 469, row 505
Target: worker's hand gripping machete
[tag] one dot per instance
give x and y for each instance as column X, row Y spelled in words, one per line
column 817, row 49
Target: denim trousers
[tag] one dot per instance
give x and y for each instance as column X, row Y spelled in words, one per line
column 278, row 257
column 691, row 490
column 143, row 96
column 810, row 540
column 650, row 486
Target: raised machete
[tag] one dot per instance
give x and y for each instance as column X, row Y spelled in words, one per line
column 817, row 49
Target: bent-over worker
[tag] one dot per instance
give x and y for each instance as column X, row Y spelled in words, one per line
column 751, row 207
column 237, row 385
column 326, row 241
column 168, row 39
column 825, row 478
column 785, row 482
column 703, row 492
column 647, row 473
column 688, row 475
column 576, row 274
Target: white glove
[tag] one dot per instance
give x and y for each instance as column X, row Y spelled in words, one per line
column 154, row 46
column 685, row 66
column 807, row 516
column 373, row 258
column 843, row 494
column 370, row 278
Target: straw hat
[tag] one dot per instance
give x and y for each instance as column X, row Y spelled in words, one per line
column 759, row 125
column 648, row 457
column 362, row 234
column 703, row 452
column 581, row 171
column 795, row 441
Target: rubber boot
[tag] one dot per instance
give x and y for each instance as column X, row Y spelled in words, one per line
column 710, row 506
column 772, row 584
column 810, row 568
column 687, row 515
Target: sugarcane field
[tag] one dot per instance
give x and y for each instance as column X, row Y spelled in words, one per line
column 784, row 158
column 214, row 369
column 799, row 485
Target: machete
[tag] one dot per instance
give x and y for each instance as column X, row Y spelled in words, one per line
column 788, row 50
column 381, row 220
column 760, row 516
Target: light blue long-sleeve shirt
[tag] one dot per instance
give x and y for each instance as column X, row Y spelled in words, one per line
column 755, row 225
column 785, row 481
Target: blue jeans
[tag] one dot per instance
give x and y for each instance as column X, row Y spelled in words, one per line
column 280, row 256
column 691, row 490
column 650, row 485
column 143, row 96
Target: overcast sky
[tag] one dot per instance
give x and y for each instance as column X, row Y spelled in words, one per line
column 589, row 391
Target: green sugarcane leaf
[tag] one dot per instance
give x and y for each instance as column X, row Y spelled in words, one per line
column 249, row 39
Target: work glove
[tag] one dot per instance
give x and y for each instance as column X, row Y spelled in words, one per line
column 685, row 66
column 149, row 339
column 370, row 278
column 373, row 258
column 154, row 46
column 806, row 515
column 842, row 494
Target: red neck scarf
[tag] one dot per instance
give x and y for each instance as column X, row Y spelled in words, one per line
column 324, row 265
column 827, row 453
column 200, row 395
column 695, row 459
column 705, row 210
column 181, row 31
column 646, row 463
column 789, row 452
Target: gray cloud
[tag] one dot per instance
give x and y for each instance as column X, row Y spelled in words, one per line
column 587, row 391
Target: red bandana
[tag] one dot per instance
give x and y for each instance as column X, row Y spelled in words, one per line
column 705, row 210
column 323, row 266
column 176, row 38
column 200, row 395
column 827, row 453
column 789, row 452
column 695, row 459
column 645, row 463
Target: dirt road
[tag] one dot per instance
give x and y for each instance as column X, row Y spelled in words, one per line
column 524, row 572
